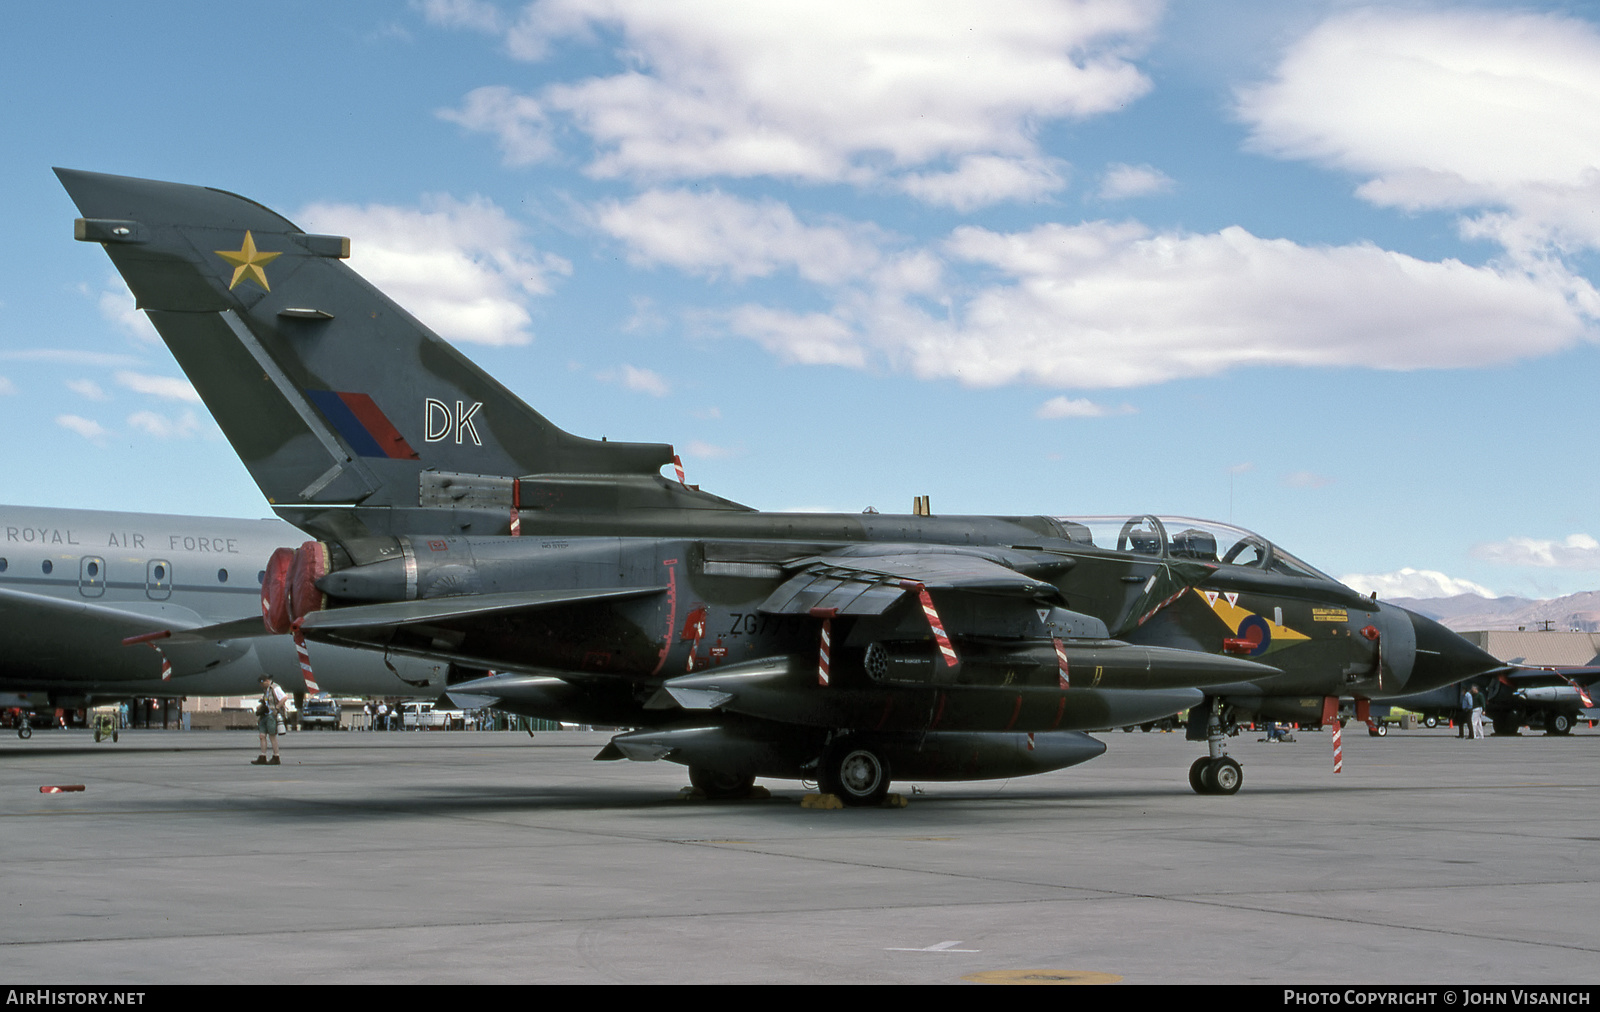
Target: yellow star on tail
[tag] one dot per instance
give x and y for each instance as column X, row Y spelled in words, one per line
column 247, row 262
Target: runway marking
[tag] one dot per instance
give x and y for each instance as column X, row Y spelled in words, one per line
column 1042, row 977
column 940, row 947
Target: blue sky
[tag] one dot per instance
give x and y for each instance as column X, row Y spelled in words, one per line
column 1321, row 268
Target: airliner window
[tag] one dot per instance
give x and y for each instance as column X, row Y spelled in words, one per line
column 48, row 565
column 93, row 569
column 222, row 576
column 3, row 565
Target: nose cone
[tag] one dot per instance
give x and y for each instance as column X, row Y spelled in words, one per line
column 1443, row 657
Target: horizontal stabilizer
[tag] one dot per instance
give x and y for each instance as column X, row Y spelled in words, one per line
column 238, row 629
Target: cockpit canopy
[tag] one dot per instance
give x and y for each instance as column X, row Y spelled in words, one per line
column 1185, row 538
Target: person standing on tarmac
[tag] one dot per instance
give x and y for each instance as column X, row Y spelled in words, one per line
column 271, row 707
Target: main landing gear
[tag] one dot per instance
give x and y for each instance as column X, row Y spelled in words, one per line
column 1218, row 772
column 858, row 774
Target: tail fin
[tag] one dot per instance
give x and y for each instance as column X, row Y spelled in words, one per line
column 329, row 391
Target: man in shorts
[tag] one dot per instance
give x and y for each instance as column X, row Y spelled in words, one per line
column 271, row 707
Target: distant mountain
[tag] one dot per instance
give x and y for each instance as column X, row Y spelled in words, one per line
column 1469, row 611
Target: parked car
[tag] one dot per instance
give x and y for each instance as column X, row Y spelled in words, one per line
column 424, row 716
column 321, row 710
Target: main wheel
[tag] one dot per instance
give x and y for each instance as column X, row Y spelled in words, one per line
column 24, row 731
column 1377, row 730
column 1558, row 723
column 1430, row 721
column 1197, row 776
column 1225, row 776
column 1507, row 724
column 719, row 785
column 857, row 774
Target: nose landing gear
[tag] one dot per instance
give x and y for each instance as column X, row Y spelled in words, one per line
column 1218, row 772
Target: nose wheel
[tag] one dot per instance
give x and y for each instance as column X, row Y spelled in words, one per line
column 1216, row 776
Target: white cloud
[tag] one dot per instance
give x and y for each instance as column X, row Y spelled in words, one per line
column 116, row 304
column 987, row 179
column 714, row 234
column 162, row 427
column 88, row 388
column 1410, row 582
column 1107, row 305
column 824, row 91
column 68, row 355
column 476, row 14
column 174, row 388
column 633, row 378
column 1576, row 551
column 1078, row 407
column 6, row 386
column 1123, row 181
column 708, row 451
column 801, row 338
column 1307, row 479
column 1449, row 109
column 85, row 427
column 460, row 266
column 1103, row 304
column 517, row 121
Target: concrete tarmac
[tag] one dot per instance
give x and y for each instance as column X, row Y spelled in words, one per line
column 466, row 857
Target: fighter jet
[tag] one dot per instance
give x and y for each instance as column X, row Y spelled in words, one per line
column 569, row 578
column 76, row 584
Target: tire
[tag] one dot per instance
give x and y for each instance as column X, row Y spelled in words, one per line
column 718, row 785
column 1509, row 724
column 1225, row 776
column 1430, row 721
column 857, row 774
column 24, row 731
column 97, row 736
column 1378, row 730
column 1558, row 723
column 1197, row 775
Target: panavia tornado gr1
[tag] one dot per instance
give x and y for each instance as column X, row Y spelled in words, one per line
column 568, row 578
